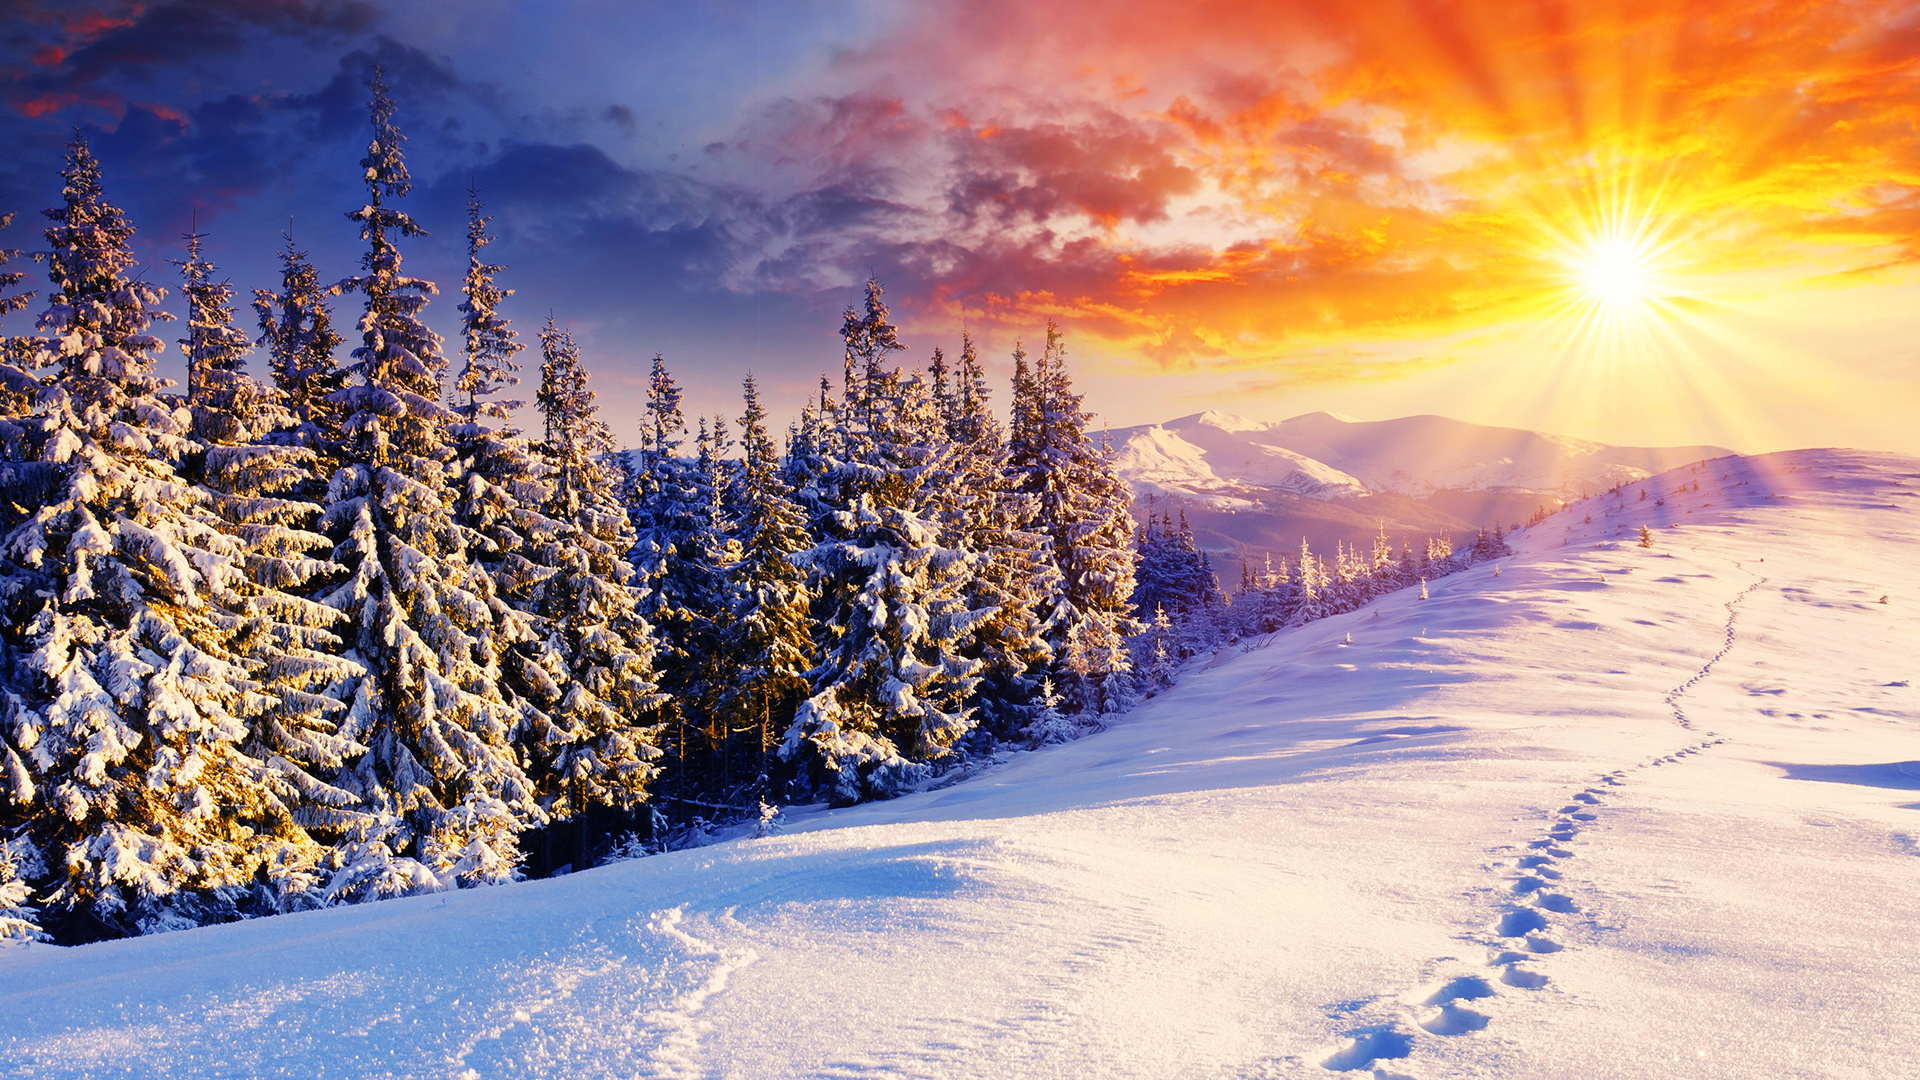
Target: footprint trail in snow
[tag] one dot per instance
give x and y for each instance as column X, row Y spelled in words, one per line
column 1522, row 930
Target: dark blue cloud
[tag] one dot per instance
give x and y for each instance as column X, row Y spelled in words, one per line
column 650, row 211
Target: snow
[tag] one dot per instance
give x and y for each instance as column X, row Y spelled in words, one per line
column 1617, row 811
column 1231, row 462
column 1227, row 473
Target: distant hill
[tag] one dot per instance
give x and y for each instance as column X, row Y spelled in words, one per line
column 1250, row 486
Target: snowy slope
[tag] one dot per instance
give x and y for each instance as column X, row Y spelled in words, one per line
column 1228, row 461
column 1615, row 812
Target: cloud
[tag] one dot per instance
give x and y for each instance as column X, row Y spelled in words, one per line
column 1190, row 187
column 85, row 54
column 1241, row 185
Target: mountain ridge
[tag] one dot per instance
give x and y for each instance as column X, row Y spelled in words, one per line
column 1249, row 486
column 1229, row 461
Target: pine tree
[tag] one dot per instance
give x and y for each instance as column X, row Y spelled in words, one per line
column 10, row 301
column 680, row 554
column 1172, row 572
column 439, row 772
column 490, row 341
column 18, row 389
column 297, row 330
column 262, row 486
column 1049, row 724
column 893, row 690
column 1014, row 571
column 19, row 919
column 228, row 405
column 125, row 595
column 1311, row 582
column 1083, row 508
column 1160, row 664
column 658, row 485
column 698, row 576
column 593, row 741
column 767, row 644
column 15, row 353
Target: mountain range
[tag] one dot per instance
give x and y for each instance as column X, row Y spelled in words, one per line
column 1250, row 486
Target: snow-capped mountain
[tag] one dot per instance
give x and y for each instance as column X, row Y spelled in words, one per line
column 1229, row 462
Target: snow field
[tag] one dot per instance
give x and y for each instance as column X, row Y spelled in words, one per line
column 1477, row 841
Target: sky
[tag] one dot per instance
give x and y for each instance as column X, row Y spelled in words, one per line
column 1643, row 223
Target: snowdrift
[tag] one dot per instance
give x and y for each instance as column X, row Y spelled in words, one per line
column 1598, row 809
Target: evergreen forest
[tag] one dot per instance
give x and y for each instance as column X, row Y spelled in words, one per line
column 324, row 626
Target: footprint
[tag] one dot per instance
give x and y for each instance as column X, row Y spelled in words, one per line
column 1507, row 956
column 1367, row 1045
column 1464, row 988
column 1455, row 1020
column 1528, row 884
column 1520, row 922
column 1525, row 980
column 1534, row 862
column 1570, row 809
column 1539, row 944
column 1589, row 796
column 1584, row 817
column 1557, row 902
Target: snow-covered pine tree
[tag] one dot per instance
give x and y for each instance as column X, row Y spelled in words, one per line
column 228, row 405
column 699, row 576
column 503, row 486
column 1382, row 569
column 1311, row 588
column 767, row 643
column 680, row 554
column 297, row 330
column 810, row 453
column 592, row 741
column 1172, row 572
column 658, row 487
column 893, row 681
column 19, row 919
column 1083, row 508
column 15, row 353
column 1049, row 723
column 1161, row 650
column 262, row 486
column 1273, row 599
column 18, row 389
column 128, row 705
column 1015, row 570
column 490, row 342
column 440, row 773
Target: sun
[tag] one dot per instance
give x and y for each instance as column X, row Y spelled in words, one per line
column 1618, row 270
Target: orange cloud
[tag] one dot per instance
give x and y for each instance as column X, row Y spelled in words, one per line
column 1251, row 184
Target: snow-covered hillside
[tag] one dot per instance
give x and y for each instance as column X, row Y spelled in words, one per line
column 1597, row 810
column 1229, row 462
